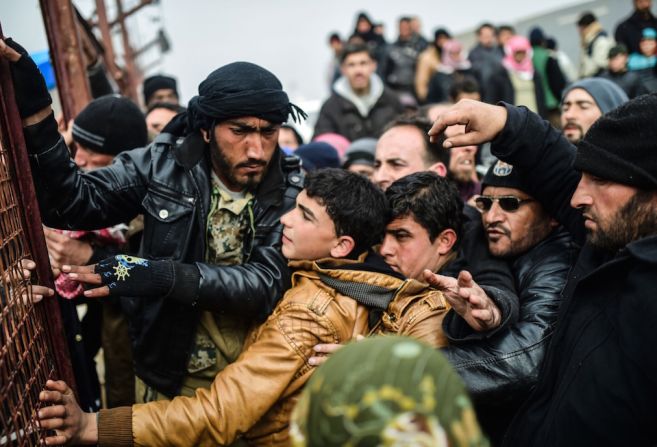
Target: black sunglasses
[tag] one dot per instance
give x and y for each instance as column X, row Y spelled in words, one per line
column 507, row 203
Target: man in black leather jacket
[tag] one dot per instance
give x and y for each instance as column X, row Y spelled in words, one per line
column 501, row 369
column 230, row 131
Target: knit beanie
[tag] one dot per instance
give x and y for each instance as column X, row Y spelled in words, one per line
column 389, row 391
column 317, row 155
column 503, row 175
column 360, row 152
column 158, row 82
column 621, row 146
column 109, row 125
column 606, row 94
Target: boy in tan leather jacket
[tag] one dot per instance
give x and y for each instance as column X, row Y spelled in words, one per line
column 340, row 289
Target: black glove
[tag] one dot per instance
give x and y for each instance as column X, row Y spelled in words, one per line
column 29, row 86
column 132, row 276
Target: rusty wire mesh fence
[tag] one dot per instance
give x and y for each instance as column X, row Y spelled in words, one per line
column 25, row 353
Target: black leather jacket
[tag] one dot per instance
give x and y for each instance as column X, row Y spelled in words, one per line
column 168, row 182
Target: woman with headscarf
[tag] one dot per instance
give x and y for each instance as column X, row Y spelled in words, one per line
column 518, row 82
column 454, row 67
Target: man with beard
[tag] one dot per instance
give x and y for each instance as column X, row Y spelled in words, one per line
column 212, row 188
column 596, row 386
column 585, row 101
column 462, row 166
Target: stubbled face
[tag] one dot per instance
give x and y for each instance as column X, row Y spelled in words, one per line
column 511, row 233
column 399, row 152
column 405, row 30
column 88, row 160
column 578, row 113
column 614, row 214
column 157, row 119
column 408, row 250
column 308, row 231
column 167, row 95
column 241, row 151
column 358, row 68
column 462, row 159
column 287, row 139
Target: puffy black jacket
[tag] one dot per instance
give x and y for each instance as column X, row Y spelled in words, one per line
column 169, row 182
column 597, row 385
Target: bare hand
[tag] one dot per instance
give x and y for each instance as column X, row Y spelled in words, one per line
column 71, row 424
column 467, row 299
column 66, row 250
column 8, row 53
column 85, row 274
column 324, row 351
column 482, row 123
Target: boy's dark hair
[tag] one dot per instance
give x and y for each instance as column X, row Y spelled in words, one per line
column 433, row 152
column 353, row 48
column 357, row 207
column 467, row 84
column 433, row 201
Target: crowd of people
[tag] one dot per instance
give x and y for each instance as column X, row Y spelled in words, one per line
column 487, row 220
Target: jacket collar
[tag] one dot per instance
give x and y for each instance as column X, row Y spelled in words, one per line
column 192, row 149
column 644, row 249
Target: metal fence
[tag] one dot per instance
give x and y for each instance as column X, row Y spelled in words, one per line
column 32, row 344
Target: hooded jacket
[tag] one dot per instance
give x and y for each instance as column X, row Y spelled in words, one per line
column 253, row 397
column 342, row 113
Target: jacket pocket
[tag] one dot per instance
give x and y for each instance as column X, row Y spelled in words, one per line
column 168, row 224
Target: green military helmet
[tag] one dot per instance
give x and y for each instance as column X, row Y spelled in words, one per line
column 385, row 391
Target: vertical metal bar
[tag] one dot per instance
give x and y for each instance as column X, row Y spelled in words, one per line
column 133, row 74
column 108, row 46
column 66, row 54
column 31, row 217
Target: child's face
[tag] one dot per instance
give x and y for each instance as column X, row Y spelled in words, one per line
column 648, row 47
column 308, row 231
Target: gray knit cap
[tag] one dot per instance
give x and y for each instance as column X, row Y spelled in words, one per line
column 606, row 94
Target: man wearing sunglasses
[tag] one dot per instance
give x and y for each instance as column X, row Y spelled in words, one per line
column 597, row 384
column 500, row 370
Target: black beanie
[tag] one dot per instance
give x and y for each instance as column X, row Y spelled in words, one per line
column 158, row 82
column 109, row 125
column 240, row 89
column 503, row 175
column 621, row 146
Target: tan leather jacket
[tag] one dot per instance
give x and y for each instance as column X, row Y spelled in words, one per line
column 253, row 397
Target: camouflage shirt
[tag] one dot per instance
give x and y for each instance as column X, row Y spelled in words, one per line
column 219, row 338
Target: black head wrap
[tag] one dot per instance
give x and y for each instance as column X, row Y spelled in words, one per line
column 240, row 89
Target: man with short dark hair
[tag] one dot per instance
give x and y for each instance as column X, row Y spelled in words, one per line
column 618, row 73
column 158, row 115
column 398, row 66
column 211, row 189
column 596, row 385
column 595, row 45
column 360, row 105
column 404, row 148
